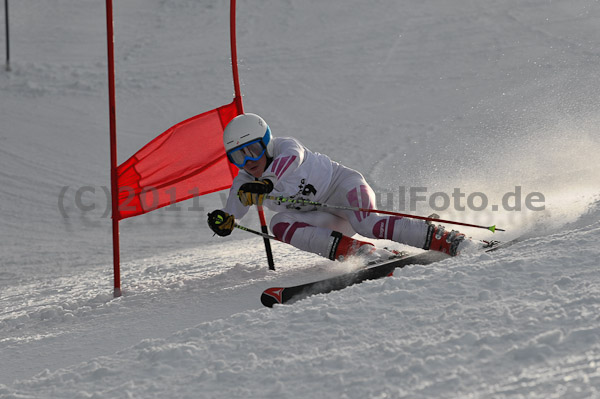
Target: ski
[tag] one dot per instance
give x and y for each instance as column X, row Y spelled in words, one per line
column 282, row 295
column 286, row 295
column 496, row 245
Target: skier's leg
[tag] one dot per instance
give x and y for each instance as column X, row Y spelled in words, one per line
column 407, row 231
column 321, row 233
column 353, row 190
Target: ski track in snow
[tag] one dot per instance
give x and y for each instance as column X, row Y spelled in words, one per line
column 484, row 96
column 502, row 324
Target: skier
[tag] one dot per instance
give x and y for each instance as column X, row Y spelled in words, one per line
column 284, row 167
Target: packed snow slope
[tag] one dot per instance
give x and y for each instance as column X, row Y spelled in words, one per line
column 498, row 100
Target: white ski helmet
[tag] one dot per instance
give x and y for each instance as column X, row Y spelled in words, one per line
column 247, row 137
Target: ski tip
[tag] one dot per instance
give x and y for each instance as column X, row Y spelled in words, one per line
column 267, row 300
column 271, row 296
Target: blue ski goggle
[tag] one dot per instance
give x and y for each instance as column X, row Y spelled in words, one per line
column 251, row 151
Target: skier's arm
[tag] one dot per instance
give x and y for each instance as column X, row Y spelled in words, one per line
column 253, row 193
column 222, row 221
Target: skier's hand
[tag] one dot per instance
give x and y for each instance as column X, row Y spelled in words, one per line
column 221, row 222
column 253, row 193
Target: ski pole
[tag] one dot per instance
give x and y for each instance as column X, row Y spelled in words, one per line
column 258, row 233
column 302, row 201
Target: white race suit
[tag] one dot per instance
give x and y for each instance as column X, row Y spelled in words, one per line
column 296, row 172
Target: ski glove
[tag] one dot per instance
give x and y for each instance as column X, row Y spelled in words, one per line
column 221, row 222
column 253, row 193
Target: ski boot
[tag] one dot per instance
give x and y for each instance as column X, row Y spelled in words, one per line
column 344, row 247
column 450, row 242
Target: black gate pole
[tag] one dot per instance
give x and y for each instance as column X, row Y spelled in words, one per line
column 7, row 35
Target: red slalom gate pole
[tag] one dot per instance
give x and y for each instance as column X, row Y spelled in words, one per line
column 240, row 108
column 113, row 149
column 234, row 64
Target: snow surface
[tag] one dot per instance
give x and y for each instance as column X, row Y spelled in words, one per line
column 478, row 95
